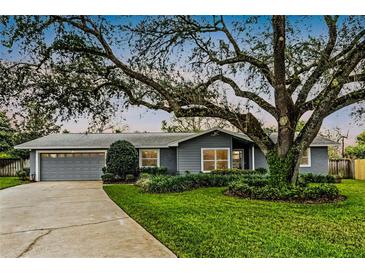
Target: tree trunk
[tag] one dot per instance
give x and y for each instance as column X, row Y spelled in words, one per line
column 284, row 169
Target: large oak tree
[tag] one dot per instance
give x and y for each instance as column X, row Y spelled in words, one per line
column 208, row 66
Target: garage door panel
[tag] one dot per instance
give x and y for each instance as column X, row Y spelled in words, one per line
column 79, row 166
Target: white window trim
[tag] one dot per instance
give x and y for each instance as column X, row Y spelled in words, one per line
column 140, row 156
column 309, row 159
column 215, row 161
column 38, row 158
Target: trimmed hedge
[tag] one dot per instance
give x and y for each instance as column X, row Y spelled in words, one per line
column 163, row 184
column 154, row 170
column 236, row 171
column 253, row 180
column 315, row 193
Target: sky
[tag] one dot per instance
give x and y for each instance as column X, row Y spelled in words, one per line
column 142, row 119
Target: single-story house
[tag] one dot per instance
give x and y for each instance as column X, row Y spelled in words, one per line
column 74, row 156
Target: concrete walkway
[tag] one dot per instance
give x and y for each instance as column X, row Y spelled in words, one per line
column 70, row 219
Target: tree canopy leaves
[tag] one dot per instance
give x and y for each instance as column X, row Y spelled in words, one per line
column 231, row 68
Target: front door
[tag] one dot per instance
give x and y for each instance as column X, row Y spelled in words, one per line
column 238, row 159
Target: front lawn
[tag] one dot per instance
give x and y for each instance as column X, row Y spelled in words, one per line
column 206, row 223
column 6, row 182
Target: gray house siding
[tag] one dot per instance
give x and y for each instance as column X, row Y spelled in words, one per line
column 319, row 160
column 319, row 165
column 260, row 160
column 32, row 163
column 189, row 152
column 168, row 159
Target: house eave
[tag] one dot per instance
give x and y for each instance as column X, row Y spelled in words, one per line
column 324, row 145
column 176, row 143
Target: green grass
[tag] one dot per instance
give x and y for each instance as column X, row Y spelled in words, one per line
column 206, row 223
column 6, row 182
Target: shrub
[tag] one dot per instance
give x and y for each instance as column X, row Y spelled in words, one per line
column 306, row 178
column 121, row 159
column 154, row 170
column 130, row 177
column 166, row 183
column 321, row 192
column 261, row 170
column 108, row 177
column 23, row 174
column 144, row 181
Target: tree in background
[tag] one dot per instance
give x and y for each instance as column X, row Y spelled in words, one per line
column 358, row 150
column 105, row 124
column 32, row 123
column 6, row 135
column 337, row 135
column 194, row 124
column 209, row 66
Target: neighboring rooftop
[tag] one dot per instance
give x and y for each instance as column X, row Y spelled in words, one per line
column 139, row 140
column 318, row 141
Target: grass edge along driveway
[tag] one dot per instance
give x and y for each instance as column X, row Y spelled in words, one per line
column 206, row 223
column 6, row 182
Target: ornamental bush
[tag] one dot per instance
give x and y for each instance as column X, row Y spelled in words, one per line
column 23, row 174
column 121, row 160
column 108, row 178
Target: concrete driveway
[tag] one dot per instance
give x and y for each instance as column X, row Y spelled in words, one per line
column 70, row 219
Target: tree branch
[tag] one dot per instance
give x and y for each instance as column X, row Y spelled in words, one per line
column 348, row 99
column 322, row 63
column 241, row 93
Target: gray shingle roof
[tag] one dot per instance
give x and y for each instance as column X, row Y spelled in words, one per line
column 139, row 140
column 102, row 140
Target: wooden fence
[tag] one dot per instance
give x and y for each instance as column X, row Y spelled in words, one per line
column 360, row 169
column 343, row 168
column 9, row 167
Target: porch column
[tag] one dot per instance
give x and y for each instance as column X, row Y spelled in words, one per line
column 253, row 157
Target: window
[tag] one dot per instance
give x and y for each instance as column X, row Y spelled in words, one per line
column 215, row 158
column 306, row 159
column 149, row 157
